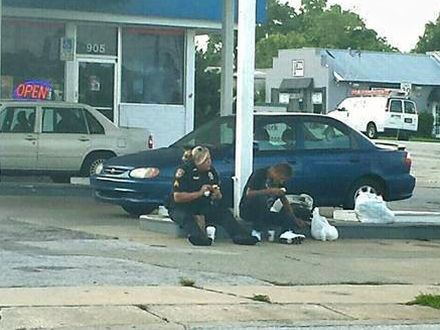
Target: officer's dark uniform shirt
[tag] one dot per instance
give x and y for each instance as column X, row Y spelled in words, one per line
column 189, row 179
column 259, row 180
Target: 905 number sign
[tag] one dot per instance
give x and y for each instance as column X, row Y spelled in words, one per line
column 96, row 48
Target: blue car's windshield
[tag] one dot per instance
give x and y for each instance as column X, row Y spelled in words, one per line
column 217, row 133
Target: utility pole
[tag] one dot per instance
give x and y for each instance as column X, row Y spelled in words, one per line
column 245, row 97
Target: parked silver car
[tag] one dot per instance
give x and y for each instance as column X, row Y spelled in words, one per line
column 61, row 139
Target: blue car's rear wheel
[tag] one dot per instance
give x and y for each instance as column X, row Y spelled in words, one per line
column 136, row 210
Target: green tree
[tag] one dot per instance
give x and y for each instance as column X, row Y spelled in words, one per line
column 430, row 41
column 313, row 6
column 281, row 19
column 337, row 28
column 314, row 26
column 207, row 88
column 267, row 48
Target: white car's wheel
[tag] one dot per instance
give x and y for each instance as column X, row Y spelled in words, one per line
column 94, row 162
column 371, row 130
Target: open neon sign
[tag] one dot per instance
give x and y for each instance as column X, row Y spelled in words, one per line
column 33, row 90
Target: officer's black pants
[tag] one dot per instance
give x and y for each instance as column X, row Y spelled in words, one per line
column 263, row 219
column 216, row 216
column 267, row 220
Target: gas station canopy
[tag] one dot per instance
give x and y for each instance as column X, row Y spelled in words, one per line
column 210, row 10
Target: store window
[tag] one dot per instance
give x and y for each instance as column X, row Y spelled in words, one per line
column 31, row 53
column 152, row 66
column 96, row 40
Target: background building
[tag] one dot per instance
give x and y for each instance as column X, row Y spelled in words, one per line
column 133, row 60
column 317, row 80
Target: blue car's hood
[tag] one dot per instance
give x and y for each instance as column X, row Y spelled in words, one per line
column 154, row 158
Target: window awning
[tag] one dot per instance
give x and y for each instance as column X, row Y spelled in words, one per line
column 289, row 85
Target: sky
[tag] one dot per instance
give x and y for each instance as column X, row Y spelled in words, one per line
column 401, row 22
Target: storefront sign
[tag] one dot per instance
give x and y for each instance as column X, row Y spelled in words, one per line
column 33, row 90
column 298, row 68
column 67, row 50
column 284, row 98
column 317, row 98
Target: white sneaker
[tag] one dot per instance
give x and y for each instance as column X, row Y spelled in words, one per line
column 210, row 232
column 289, row 237
column 256, row 234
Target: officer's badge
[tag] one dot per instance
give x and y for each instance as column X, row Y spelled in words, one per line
column 176, row 184
column 179, row 173
column 210, row 176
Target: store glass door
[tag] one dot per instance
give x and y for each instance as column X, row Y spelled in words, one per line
column 97, row 86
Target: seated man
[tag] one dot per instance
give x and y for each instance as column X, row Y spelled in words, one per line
column 263, row 189
column 196, row 200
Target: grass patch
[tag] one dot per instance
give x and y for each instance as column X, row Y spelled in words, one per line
column 429, row 300
column 187, row 282
column 422, row 139
column 411, row 138
column 261, row 298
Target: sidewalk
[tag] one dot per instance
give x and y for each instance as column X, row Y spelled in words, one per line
column 168, row 307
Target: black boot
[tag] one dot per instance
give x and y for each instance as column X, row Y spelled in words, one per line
column 200, row 240
column 245, row 240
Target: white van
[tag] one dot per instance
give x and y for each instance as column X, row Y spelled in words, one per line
column 377, row 114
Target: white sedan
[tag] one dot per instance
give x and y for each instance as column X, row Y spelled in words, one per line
column 61, row 139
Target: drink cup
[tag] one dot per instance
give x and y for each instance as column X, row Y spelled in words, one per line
column 271, row 235
column 210, row 232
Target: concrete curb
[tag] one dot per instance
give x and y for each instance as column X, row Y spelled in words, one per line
column 347, row 229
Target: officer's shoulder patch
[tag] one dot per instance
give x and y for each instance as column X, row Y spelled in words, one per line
column 179, row 173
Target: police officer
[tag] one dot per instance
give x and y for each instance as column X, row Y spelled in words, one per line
column 197, row 196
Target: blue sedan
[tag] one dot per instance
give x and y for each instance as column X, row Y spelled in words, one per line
column 331, row 161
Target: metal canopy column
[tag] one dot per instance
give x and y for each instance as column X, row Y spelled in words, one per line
column 245, row 97
column 227, row 79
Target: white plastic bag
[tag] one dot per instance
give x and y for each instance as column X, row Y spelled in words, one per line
column 371, row 208
column 321, row 229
